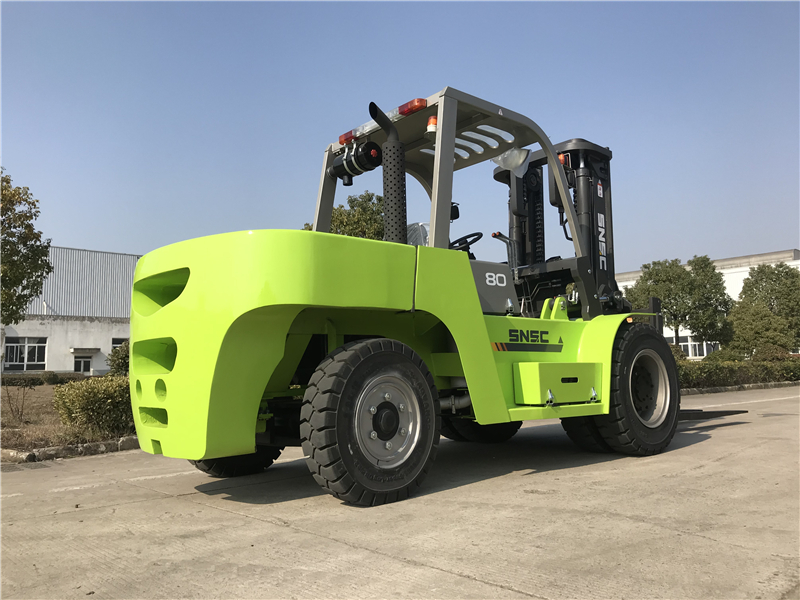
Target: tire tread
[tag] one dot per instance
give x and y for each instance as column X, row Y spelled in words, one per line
column 320, row 404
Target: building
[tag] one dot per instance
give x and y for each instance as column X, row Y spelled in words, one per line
column 81, row 315
column 734, row 272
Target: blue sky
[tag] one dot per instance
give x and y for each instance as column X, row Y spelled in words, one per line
column 142, row 124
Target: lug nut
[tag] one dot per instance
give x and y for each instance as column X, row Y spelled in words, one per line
column 373, row 410
column 401, row 407
column 373, row 435
column 403, row 431
column 387, row 396
column 388, row 445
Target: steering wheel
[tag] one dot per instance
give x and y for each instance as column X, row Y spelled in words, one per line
column 465, row 241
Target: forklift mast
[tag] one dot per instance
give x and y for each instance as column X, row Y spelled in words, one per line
column 587, row 169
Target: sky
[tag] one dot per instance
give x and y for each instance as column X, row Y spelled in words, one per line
column 140, row 124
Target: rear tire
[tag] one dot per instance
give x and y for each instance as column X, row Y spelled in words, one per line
column 236, row 466
column 496, row 433
column 645, row 396
column 369, row 424
column 584, row 433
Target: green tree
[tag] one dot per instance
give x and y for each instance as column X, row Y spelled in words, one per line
column 362, row 218
column 709, row 302
column 693, row 298
column 755, row 327
column 669, row 281
column 777, row 287
column 117, row 360
column 25, row 262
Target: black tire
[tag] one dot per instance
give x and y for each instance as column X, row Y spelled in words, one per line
column 236, row 466
column 337, row 421
column 449, row 431
column 584, row 433
column 485, row 434
column 645, row 395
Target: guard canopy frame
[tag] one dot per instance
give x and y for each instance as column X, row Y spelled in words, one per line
column 468, row 129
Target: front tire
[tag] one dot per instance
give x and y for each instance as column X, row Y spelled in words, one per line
column 450, row 432
column 645, row 395
column 496, row 433
column 584, row 433
column 368, row 425
column 236, row 466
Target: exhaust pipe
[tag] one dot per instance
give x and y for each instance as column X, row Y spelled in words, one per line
column 394, row 179
column 453, row 403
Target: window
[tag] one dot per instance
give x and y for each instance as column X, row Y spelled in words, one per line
column 25, row 354
column 83, row 364
column 117, row 342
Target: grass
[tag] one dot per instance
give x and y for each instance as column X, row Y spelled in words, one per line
column 40, row 426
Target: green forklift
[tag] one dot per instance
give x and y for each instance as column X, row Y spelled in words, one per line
column 364, row 352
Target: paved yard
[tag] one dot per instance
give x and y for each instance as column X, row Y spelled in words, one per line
column 717, row 516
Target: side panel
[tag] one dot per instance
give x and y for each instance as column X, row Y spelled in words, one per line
column 445, row 288
column 490, row 346
column 559, row 342
column 519, row 340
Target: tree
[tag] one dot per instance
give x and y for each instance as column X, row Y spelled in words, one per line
column 710, row 303
column 756, row 327
column 363, row 218
column 117, row 360
column 669, row 281
column 693, row 298
column 776, row 287
column 25, row 262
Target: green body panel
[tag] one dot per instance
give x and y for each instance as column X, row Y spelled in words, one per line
column 219, row 325
column 446, row 289
column 227, row 327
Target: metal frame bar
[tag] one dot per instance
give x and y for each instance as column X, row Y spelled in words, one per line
column 547, row 147
column 442, row 193
column 326, row 195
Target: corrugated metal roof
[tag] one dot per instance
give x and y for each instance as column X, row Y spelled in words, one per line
column 86, row 283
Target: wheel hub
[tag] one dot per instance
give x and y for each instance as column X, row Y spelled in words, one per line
column 649, row 388
column 386, row 420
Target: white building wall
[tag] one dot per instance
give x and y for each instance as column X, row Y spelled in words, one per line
column 66, row 333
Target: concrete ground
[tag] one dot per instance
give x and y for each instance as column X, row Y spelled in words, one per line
column 717, row 516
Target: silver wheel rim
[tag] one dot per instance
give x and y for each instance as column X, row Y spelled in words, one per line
column 385, row 398
column 649, row 386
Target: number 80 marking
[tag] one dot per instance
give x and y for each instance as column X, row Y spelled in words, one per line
column 496, row 279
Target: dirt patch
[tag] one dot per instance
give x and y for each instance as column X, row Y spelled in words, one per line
column 40, row 425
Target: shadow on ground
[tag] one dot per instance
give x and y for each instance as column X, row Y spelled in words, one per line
column 535, row 449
